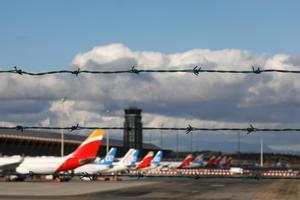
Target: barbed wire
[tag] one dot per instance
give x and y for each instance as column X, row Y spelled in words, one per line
column 195, row 70
column 134, row 70
column 187, row 129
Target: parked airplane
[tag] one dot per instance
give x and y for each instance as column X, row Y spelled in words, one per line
column 154, row 163
column 125, row 163
column 84, row 154
column 223, row 161
column 210, row 161
column 10, row 163
column 216, row 161
column 228, row 162
column 98, row 167
column 146, row 162
column 135, row 158
column 156, row 160
column 197, row 162
column 177, row 165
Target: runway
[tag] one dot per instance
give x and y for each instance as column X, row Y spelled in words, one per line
column 155, row 188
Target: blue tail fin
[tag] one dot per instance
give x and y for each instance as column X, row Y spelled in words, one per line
column 157, row 158
column 199, row 159
column 109, row 158
column 135, row 157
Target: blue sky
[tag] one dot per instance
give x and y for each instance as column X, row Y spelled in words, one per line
column 40, row 35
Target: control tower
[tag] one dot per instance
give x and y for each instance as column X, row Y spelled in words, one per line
column 133, row 128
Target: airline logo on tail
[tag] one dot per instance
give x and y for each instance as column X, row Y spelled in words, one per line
column 199, row 160
column 135, row 157
column 223, row 161
column 109, row 158
column 85, row 153
column 210, row 161
column 146, row 161
column 186, row 161
column 128, row 158
column 217, row 161
column 157, row 158
column 228, row 162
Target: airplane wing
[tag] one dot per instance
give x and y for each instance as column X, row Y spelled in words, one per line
column 10, row 166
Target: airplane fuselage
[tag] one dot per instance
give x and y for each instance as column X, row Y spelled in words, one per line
column 92, row 168
column 47, row 165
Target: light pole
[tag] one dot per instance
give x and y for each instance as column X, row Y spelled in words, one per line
column 239, row 147
column 191, row 142
column 107, row 135
column 177, row 139
column 161, row 137
column 198, row 149
column 177, row 144
column 62, row 126
column 261, row 152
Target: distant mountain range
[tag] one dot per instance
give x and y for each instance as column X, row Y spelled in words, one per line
column 233, row 147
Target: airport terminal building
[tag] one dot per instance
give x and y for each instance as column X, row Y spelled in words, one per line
column 39, row 143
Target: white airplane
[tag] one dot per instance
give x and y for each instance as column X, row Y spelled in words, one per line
column 84, row 154
column 148, row 163
column 177, row 165
column 223, row 161
column 197, row 162
column 124, row 164
column 98, row 167
column 10, row 163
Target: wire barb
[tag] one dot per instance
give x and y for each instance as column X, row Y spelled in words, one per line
column 76, row 127
column 256, row 71
column 18, row 71
column 196, row 70
column 251, row 129
column 134, row 70
column 19, row 127
column 76, row 72
column 189, row 129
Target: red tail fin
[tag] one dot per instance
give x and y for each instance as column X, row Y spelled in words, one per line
column 228, row 162
column 89, row 148
column 210, row 161
column 85, row 153
column 217, row 161
column 146, row 161
column 186, row 161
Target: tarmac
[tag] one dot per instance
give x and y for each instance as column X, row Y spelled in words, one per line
column 155, row 188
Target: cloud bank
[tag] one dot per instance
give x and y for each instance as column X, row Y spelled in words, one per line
column 208, row 100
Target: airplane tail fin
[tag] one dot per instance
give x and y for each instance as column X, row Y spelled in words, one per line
column 146, row 161
column 216, row 162
column 228, row 162
column 135, row 157
column 157, row 158
column 210, row 161
column 186, row 161
column 85, row 153
column 89, row 148
column 109, row 158
column 223, row 161
column 128, row 158
column 199, row 159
